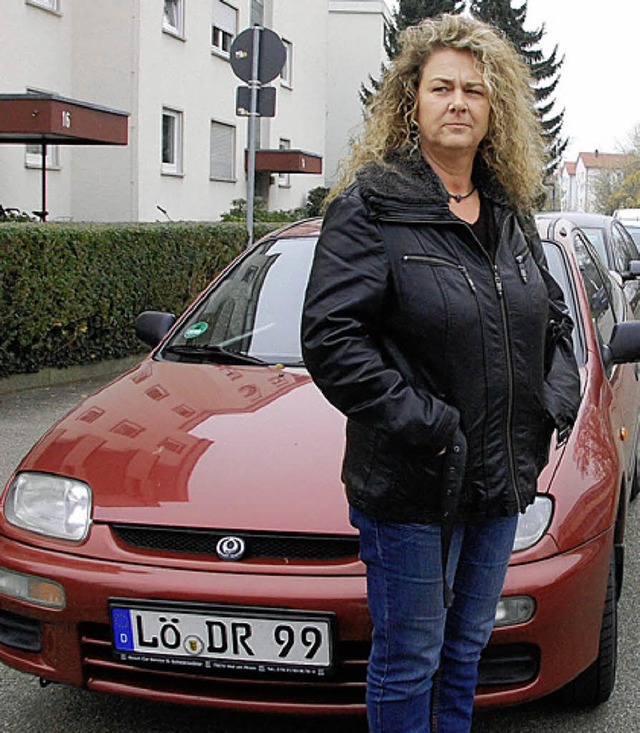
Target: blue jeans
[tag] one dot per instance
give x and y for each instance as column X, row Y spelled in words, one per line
column 423, row 667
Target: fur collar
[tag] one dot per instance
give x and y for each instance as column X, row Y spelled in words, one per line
column 407, row 179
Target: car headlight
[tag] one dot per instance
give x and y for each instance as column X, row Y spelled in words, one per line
column 533, row 523
column 50, row 505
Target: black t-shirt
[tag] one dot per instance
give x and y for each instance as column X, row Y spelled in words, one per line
column 484, row 227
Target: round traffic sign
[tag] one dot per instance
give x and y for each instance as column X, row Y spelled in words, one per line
column 271, row 52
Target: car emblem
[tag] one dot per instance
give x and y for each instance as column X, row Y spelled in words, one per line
column 230, row 548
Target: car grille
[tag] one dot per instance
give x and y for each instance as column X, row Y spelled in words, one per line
column 259, row 545
column 19, row 632
column 508, row 664
column 343, row 692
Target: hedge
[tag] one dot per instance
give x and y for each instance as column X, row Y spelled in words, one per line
column 70, row 293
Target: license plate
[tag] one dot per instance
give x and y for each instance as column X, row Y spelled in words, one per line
column 223, row 637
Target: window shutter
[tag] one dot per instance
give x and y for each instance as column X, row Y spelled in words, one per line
column 225, row 17
column 222, row 153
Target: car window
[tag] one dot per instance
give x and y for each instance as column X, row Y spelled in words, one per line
column 255, row 310
column 607, row 305
column 634, row 231
column 559, row 269
column 596, row 237
column 623, row 247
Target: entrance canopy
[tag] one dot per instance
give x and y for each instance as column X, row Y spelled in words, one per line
column 48, row 119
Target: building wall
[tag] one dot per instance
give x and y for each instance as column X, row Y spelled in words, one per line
column 104, row 52
column 301, row 108
column 356, row 33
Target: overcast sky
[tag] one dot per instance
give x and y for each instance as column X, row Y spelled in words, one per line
column 600, row 80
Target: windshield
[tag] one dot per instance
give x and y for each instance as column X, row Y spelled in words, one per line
column 254, row 311
column 253, row 314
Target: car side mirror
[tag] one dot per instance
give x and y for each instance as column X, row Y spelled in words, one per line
column 624, row 346
column 633, row 272
column 153, row 326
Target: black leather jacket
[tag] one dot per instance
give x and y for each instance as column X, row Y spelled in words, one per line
column 425, row 341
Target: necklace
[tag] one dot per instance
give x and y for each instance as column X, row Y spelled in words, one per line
column 458, row 197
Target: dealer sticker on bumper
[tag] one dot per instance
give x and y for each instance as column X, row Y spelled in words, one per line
column 260, row 640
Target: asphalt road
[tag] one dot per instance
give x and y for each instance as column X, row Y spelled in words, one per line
column 26, row 707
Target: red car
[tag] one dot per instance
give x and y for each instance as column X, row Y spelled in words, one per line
column 182, row 534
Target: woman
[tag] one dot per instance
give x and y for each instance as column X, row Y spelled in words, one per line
column 432, row 323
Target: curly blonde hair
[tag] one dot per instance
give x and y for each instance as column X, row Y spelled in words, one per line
column 513, row 149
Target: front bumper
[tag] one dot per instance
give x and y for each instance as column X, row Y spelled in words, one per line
column 561, row 640
column 76, row 646
column 521, row 663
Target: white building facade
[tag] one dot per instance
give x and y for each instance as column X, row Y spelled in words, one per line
column 579, row 180
column 356, row 30
column 166, row 63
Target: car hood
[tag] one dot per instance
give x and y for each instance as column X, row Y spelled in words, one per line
column 209, row 446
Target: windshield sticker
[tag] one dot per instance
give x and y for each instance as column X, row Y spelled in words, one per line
column 196, row 330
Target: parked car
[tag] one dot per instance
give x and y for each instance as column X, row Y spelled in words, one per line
column 615, row 246
column 182, row 534
column 630, row 218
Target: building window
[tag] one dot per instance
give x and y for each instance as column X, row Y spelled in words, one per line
column 224, row 27
column 284, row 179
column 33, row 156
column 53, row 5
column 173, row 21
column 286, row 75
column 171, row 142
column 222, row 153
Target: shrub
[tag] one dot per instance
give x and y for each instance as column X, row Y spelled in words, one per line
column 70, row 293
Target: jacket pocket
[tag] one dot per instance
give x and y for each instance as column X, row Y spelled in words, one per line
column 441, row 262
column 388, row 479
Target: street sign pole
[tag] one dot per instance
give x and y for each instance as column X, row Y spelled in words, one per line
column 257, row 57
column 254, row 85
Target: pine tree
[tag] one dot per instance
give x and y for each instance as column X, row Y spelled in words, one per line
column 545, row 71
column 408, row 12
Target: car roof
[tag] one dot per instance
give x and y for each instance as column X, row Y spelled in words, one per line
column 304, row 228
column 579, row 218
column 556, row 227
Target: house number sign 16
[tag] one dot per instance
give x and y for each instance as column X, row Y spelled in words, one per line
column 66, row 119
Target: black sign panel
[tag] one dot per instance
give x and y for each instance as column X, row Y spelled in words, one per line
column 271, row 51
column 266, row 106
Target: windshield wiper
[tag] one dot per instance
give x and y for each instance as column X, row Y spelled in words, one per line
column 213, row 353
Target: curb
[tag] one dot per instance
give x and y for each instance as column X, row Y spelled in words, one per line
column 54, row 377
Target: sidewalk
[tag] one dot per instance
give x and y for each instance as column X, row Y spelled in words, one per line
column 53, row 377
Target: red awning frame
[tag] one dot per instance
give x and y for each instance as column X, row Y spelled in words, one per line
column 49, row 119
column 286, row 161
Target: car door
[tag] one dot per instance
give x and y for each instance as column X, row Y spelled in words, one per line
column 609, row 306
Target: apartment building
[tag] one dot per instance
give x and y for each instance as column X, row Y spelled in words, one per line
column 579, row 179
column 165, row 63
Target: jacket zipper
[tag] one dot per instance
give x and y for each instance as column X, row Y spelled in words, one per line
column 500, row 293
column 521, row 268
column 509, row 364
column 443, row 263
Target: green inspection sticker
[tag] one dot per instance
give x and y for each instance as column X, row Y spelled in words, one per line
column 196, row 330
